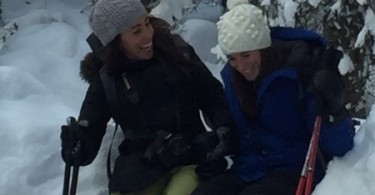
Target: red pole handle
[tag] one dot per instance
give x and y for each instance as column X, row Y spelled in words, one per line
column 306, row 180
column 312, row 160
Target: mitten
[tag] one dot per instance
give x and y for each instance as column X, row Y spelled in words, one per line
column 329, row 89
column 215, row 146
column 225, row 145
column 73, row 150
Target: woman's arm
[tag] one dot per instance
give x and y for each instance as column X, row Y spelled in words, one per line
column 95, row 111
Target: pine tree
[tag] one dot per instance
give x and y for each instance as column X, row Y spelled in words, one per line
column 342, row 26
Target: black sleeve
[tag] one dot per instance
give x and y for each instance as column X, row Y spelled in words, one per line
column 96, row 111
column 211, row 98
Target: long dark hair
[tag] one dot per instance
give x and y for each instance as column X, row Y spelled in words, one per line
column 114, row 59
column 164, row 44
column 246, row 91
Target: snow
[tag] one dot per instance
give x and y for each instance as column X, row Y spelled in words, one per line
column 345, row 65
column 290, row 9
column 369, row 27
column 336, row 6
column 354, row 173
column 361, row 2
column 40, row 87
column 314, row 3
column 202, row 35
column 168, row 9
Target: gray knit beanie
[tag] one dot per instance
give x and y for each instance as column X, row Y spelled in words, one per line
column 242, row 28
column 111, row 17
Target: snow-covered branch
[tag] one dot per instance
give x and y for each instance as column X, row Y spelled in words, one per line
column 7, row 31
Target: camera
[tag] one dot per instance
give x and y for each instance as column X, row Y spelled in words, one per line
column 175, row 151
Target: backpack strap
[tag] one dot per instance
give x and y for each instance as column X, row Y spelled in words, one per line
column 110, row 94
column 112, row 101
column 109, row 170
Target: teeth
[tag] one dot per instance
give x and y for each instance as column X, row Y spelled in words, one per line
column 147, row 45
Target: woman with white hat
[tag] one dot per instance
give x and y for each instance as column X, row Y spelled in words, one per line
column 274, row 124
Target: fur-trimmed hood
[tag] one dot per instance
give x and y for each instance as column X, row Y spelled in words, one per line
column 89, row 67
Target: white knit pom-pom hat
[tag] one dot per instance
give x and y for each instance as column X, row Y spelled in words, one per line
column 242, row 28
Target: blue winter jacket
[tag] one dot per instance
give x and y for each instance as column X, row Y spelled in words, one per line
column 280, row 138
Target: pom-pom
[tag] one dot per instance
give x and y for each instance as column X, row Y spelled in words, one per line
column 233, row 3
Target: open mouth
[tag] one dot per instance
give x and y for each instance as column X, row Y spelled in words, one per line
column 146, row 46
column 247, row 72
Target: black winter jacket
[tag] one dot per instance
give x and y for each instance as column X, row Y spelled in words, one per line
column 164, row 96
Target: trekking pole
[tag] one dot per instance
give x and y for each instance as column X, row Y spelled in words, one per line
column 306, row 180
column 73, row 187
column 71, row 184
column 66, row 179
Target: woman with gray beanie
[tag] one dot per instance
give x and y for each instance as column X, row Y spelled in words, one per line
column 154, row 86
column 274, row 114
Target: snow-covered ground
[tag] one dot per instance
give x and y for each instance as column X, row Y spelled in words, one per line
column 40, row 87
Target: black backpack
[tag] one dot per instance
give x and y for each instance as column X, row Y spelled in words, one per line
column 314, row 53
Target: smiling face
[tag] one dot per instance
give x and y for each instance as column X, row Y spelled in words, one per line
column 247, row 63
column 137, row 41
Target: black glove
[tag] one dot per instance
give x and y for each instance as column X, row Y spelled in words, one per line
column 330, row 93
column 72, row 142
column 330, row 59
column 168, row 149
column 225, row 145
column 203, row 144
column 212, row 147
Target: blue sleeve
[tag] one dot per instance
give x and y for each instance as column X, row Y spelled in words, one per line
column 335, row 138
